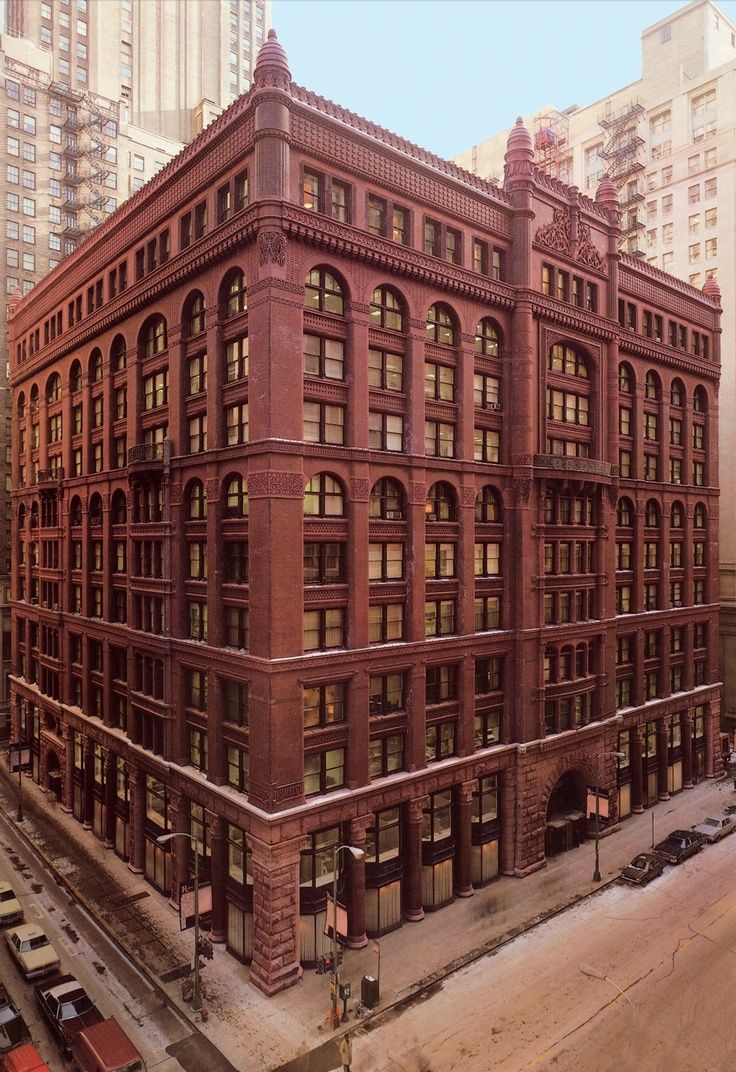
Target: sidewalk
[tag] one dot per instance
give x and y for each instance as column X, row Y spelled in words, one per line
column 255, row 1033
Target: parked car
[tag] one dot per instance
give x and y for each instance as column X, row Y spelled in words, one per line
column 643, row 868
column 67, row 1008
column 24, row 1059
column 105, row 1047
column 715, row 827
column 32, row 950
column 10, row 909
column 13, row 1028
column 678, row 845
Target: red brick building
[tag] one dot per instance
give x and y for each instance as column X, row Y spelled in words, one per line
column 360, row 500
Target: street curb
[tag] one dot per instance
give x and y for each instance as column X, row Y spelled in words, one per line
column 88, row 906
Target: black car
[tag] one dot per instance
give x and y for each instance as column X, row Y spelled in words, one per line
column 13, row 1028
column 67, row 1008
column 642, row 869
column 678, row 845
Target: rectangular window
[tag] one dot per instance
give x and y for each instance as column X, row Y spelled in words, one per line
column 324, row 423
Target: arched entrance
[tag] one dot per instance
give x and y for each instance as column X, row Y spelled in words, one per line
column 53, row 775
column 565, row 828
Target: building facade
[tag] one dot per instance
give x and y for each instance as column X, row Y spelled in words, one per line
column 347, row 511
column 668, row 141
column 94, row 106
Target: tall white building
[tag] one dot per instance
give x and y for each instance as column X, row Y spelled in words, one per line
column 97, row 96
column 669, row 142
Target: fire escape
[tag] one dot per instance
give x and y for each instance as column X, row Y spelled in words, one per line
column 551, row 145
column 622, row 152
column 90, row 133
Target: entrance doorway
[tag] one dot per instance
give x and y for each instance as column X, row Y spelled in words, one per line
column 53, row 775
column 565, row 827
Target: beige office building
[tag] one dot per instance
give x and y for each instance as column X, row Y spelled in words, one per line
column 97, row 96
column 669, row 142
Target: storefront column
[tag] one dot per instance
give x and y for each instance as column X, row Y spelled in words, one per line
column 713, row 760
column 180, row 848
column 463, row 807
column 111, row 793
column 508, row 821
column 275, row 962
column 687, row 749
column 68, row 789
column 137, row 846
column 663, row 770
column 357, row 937
column 636, row 771
column 412, row 885
column 88, row 800
column 218, row 871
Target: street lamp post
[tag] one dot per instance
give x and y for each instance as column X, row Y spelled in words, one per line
column 618, row 755
column 164, row 839
column 357, row 854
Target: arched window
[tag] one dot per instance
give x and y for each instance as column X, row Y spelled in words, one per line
column 233, row 297
column 324, row 497
column 118, row 508
column 387, row 500
column 441, row 503
column 153, row 336
column 236, row 497
column 677, row 516
column 562, row 358
column 193, row 319
column 34, row 515
column 196, row 501
column 677, row 393
column 95, row 366
column 700, row 516
column 625, row 379
column 624, row 513
column 75, row 377
column 487, row 505
column 386, row 309
column 34, row 398
column 440, row 324
column 486, row 338
column 95, row 509
column 21, row 515
column 53, row 388
column 322, row 291
column 117, row 354
column 651, row 514
column 652, row 386
column 566, row 664
column 75, row 511
column 21, row 408
column 700, row 400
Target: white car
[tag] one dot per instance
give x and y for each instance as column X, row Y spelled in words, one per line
column 32, row 950
column 713, row 828
column 10, row 909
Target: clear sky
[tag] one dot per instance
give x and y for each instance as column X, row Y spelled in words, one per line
column 448, row 73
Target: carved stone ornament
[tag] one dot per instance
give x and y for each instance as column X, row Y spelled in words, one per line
column 555, row 235
column 175, row 494
column 521, row 491
column 275, row 484
column 587, row 254
column 360, row 489
column 212, row 490
column 613, row 493
column 272, row 247
column 417, row 493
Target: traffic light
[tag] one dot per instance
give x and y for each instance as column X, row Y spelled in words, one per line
column 205, row 949
column 339, row 956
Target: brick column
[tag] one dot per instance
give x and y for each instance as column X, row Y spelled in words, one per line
column 508, row 822
column 180, row 848
column 88, row 803
column 687, row 749
column 137, row 845
column 663, row 734
column 414, row 745
column 216, row 749
column 416, row 514
column 275, row 963
column 466, row 706
column 412, row 883
column 111, row 773
column 357, row 937
column 216, row 616
column 636, row 770
column 356, row 562
column 218, row 875
column 68, row 788
column 358, row 704
column 463, row 809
